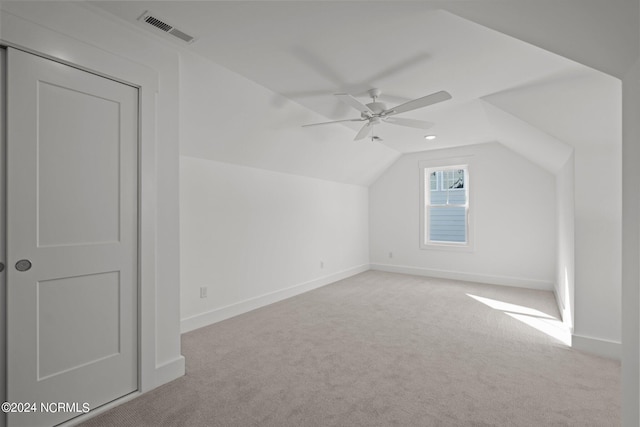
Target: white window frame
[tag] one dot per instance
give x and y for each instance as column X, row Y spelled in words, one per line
column 426, row 168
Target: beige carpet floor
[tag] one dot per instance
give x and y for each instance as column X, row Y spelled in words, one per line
column 383, row 349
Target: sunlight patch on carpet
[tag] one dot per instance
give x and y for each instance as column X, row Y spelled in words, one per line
column 543, row 322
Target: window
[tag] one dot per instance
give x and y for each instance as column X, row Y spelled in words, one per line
column 446, row 206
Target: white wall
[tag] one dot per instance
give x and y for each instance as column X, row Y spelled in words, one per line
column 631, row 249
column 598, row 228
column 253, row 237
column 565, row 265
column 513, row 215
column 595, row 193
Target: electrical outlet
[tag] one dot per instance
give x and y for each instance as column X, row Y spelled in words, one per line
column 321, row 264
column 203, row 292
column 390, row 254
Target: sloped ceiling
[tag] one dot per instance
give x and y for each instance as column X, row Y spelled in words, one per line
column 539, row 103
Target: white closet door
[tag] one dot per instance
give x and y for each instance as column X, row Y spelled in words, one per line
column 72, row 144
column 3, row 233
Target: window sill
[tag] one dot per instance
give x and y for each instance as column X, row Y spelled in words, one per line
column 453, row 247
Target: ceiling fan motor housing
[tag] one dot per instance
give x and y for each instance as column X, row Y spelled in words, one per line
column 377, row 107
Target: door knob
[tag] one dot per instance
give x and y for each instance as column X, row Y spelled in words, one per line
column 23, row 265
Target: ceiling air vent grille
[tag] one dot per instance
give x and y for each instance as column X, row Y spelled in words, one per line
column 161, row 24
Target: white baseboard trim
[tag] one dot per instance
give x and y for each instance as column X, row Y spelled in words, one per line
column 170, row 371
column 222, row 313
column 469, row 277
column 597, row 346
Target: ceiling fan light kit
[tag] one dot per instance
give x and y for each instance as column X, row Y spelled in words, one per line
column 377, row 112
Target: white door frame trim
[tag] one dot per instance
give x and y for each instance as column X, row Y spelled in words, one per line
column 27, row 36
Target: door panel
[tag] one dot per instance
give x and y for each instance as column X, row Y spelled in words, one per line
column 72, row 212
column 71, row 200
column 58, row 311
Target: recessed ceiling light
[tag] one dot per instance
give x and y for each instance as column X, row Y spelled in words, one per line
column 429, row 137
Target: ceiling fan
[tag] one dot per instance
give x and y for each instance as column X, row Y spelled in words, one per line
column 376, row 112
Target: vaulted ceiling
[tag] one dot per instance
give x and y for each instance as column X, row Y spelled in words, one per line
column 541, row 97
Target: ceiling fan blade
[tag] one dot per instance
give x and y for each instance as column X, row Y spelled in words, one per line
column 350, row 100
column 420, row 102
column 399, row 67
column 335, row 121
column 412, row 123
column 363, row 132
